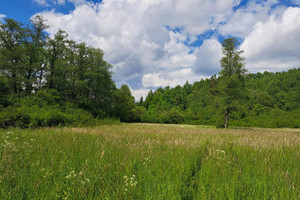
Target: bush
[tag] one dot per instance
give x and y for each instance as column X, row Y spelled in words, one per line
column 12, row 116
column 35, row 111
column 173, row 116
column 138, row 113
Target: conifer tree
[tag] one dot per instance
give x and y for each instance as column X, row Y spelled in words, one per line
column 232, row 76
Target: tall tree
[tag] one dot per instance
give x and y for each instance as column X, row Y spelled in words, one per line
column 35, row 53
column 12, row 37
column 57, row 62
column 232, row 76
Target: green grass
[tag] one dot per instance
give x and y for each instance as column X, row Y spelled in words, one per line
column 149, row 161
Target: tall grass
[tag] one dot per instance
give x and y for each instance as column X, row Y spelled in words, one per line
column 149, row 161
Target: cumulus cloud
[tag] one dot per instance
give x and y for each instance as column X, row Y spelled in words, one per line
column 2, row 16
column 150, row 43
column 208, row 58
column 134, row 33
column 139, row 93
column 174, row 78
column 243, row 20
column 274, row 45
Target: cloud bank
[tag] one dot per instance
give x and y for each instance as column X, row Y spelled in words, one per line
column 155, row 43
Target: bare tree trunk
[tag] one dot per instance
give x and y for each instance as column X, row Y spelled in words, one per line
column 226, row 118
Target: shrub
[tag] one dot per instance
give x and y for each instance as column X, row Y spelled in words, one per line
column 173, row 116
column 35, row 111
column 138, row 113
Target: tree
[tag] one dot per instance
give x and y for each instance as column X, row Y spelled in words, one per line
column 4, row 92
column 12, row 37
column 56, row 65
column 124, row 104
column 232, row 76
column 35, row 54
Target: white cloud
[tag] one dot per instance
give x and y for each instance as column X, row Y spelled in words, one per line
column 208, row 58
column 296, row 2
column 41, row 2
column 174, row 78
column 199, row 16
column 243, row 21
column 61, row 2
column 137, row 36
column 176, row 52
column 139, row 93
column 274, row 45
column 2, row 16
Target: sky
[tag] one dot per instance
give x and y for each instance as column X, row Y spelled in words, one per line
column 159, row 43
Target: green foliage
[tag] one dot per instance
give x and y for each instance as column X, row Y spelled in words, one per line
column 172, row 116
column 252, row 101
column 41, row 76
column 108, row 121
column 44, row 109
column 124, row 104
column 138, row 113
column 4, row 92
column 232, row 77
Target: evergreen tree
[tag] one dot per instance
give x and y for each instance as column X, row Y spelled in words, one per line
column 232, row 76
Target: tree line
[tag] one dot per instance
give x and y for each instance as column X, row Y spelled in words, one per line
column 267, row 100
column 50, row 81
column 234, row 97
column 55, row 76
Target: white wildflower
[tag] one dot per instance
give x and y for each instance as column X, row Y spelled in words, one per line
column 69, row 176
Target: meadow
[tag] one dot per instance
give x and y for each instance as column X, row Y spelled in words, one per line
column 149, row 161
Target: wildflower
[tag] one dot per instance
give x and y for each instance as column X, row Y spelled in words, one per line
column 133, row 184
column 69, row 176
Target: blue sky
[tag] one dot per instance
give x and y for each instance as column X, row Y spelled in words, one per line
column 22, row 10
column 155, row 43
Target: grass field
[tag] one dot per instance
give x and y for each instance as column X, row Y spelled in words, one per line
column 149, row 161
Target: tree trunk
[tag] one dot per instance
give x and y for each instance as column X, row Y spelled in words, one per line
column 41, row 79
column 226, row 118
column 14, row 77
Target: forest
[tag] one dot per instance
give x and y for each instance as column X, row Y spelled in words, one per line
column 55, row 81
